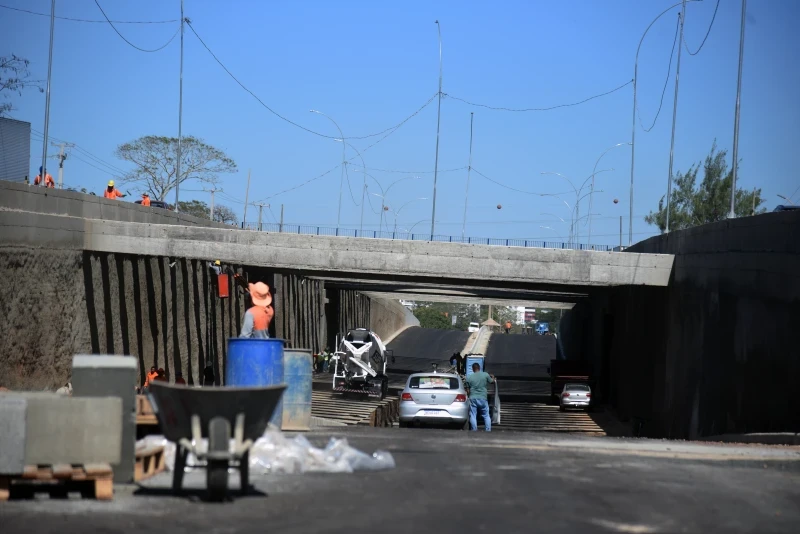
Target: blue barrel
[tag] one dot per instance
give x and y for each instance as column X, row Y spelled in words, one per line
column 253, row 363
column 297, row 373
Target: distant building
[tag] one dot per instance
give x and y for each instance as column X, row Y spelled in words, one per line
column 530, row 315
column 15, row 150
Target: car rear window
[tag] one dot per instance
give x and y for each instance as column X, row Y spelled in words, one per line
column 577, row 387
column 433, row 382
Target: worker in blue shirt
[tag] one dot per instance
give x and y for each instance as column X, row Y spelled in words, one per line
column 477, row 383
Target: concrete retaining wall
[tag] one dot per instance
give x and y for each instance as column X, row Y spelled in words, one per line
column 716, row 351
column 387, row 317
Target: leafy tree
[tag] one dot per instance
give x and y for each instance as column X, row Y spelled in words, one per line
column 155, row 158
column 431, row 317
column 198, row 208
column 14, row 77
column 225, row 215
column 693, row 205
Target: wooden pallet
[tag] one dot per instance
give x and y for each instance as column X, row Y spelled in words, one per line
column 149, row 462
column 92, row 480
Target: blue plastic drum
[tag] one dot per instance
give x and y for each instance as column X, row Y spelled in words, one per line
column 254, row 363
column 297, row 375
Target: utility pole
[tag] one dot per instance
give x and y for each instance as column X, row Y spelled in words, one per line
column 180, row 124
column 469, row 170
column 47, row 99
column 280, row 226
column 674, row 115
column 732, row 213
column 438, row 123
column 61, row 157
column 246, row 195
column 754, row 201
column 620, row 233
column 211, row 210
column 260, row 208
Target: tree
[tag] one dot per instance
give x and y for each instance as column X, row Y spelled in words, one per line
column 431, row 317
column 155, row 158
column 710, row 201
column 225, row 215
column 14, row 77
column 198, row 208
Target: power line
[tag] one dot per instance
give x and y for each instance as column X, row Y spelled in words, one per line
column 89, row 20
column 410, row 172
column 666, row 81
column 84, row 151
column 707, row 34
column 350, row 187
column 221, row 64
column 130, row 43
column 479, row 173
column 497, row 108
column 304, row 183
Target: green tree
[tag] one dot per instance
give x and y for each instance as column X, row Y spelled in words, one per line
column 693, row 205
column 14, row 77
column 432, row 317
column 155, row 159
column 198, row 208
column 224, row 214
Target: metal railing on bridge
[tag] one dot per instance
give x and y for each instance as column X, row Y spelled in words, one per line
column 303, row 229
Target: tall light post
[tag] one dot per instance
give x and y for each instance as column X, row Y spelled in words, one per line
column 594, row 171
column 438, row 124
column 344, row 162
column 732, row 213
column 364, row 187
column 47, row 97
column 674, row 116
column 633, row 120
column 180, row 124
column 578, row 198
column 469, row 171
column 397, row 212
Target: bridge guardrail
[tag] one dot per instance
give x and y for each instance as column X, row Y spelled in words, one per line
column 304, row 229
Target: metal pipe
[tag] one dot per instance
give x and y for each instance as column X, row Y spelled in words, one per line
column 180, row 124
column 469, row 169
column 674, row 116
column 438, row 124
column 43, row 172
column 732, row 213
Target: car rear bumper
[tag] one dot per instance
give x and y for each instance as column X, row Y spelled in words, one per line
column 452, row 413
column 575, row 404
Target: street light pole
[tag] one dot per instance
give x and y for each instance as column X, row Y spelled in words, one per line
column 180, row 124
column 438, row 124
column 591, row 195
column 469, row 170
column 732, row 213
column 674, row 115
column 43, row 173
column 344, row 162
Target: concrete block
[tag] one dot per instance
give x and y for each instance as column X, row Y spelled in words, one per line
column 13, row 411
column 111, row 376
column 58, row 429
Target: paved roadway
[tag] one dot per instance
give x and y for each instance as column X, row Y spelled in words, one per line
column 415, row 349
column 520, row 356
column 451, row 481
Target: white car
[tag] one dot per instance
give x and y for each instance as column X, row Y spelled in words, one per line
column 434, row 398
column 576, row 396
column 473, row 327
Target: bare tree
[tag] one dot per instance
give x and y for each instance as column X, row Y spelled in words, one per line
column 155, row 158
column 225, row 215
column 14, row 77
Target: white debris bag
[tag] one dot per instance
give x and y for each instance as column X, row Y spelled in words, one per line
column 274, row 453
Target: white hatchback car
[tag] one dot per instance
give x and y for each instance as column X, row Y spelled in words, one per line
column 473, row 327
column 435, row 398
column 576, row 396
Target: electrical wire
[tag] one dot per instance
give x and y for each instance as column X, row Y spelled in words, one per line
column 707, row 34
column 497, row 108
column 309, row 130
column 88, row 20
column 130, row 43
column 350, row 187
column 86, row 153
column 410, row 172
column 90, row 164
column 666, row 82
column 304, row 183
column 479, row 173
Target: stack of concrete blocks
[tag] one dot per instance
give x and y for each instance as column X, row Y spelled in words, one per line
column 48, row 429
column 112, row 376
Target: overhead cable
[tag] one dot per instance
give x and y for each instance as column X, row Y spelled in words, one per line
column 130, row 43
column 666, row 82
column 89, row 20
column 512, row 188
column 309, row 130
column 707, row 34
column 304, row 183
column 497, row 108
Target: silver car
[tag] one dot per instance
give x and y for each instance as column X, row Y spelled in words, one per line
column 434, row 398
column 576, row 396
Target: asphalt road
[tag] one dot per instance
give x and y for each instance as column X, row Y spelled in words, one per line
column 416, row 348
column 451, row 481
column 520, row 356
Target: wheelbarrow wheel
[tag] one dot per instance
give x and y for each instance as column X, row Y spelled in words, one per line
column 219, row 432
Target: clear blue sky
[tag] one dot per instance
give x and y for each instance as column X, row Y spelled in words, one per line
column 370, row 64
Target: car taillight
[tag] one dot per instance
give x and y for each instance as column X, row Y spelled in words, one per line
column 406, row 397
column 461, row 398
column 565, row 394
column 588, row 395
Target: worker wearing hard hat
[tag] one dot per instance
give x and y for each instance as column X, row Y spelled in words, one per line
column 257, row 318
column 111, row 191
column 216, row 267
column 48, row 180
column 145, row 200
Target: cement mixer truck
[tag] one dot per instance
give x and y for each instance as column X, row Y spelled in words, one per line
column 360, row 364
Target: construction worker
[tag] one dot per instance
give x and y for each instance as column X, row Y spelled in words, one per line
column 145, row 200
column 111, row 191
column 508, row 326
column 48, row 180
column 216, row 267
column 257, row 318
column 151, row 376
column 179, row 380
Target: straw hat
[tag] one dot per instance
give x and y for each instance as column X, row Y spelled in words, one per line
column 260, row 294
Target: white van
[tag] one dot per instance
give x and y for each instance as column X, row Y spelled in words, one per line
column 473, row 327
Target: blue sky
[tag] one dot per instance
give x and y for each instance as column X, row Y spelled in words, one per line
column 369, row 65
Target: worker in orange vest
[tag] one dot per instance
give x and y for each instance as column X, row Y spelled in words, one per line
column 152, row 375
column 508, row 326
column 111, row 191
column 145, row 200
column 259, row 316
column 48, row 180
